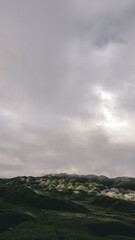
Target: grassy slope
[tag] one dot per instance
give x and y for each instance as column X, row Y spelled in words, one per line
column 25, row 215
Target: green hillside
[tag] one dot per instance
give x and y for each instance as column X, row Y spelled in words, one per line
column 62, row 207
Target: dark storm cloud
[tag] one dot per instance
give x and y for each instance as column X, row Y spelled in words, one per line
column 67, row 87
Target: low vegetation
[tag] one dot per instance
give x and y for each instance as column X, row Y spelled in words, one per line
column 63, row 207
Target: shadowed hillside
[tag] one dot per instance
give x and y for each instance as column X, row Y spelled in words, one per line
column 67, row 207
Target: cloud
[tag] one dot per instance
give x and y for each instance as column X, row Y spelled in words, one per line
column 67, row 87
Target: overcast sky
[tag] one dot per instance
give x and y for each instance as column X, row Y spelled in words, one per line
column 67, row 87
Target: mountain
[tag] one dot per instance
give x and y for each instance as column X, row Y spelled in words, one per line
column 62, row 206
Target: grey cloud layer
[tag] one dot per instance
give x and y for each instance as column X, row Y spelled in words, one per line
column 67, row 87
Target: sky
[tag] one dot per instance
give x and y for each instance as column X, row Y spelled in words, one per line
column 67, row 87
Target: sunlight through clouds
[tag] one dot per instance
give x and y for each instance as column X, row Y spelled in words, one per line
column 67, row 92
